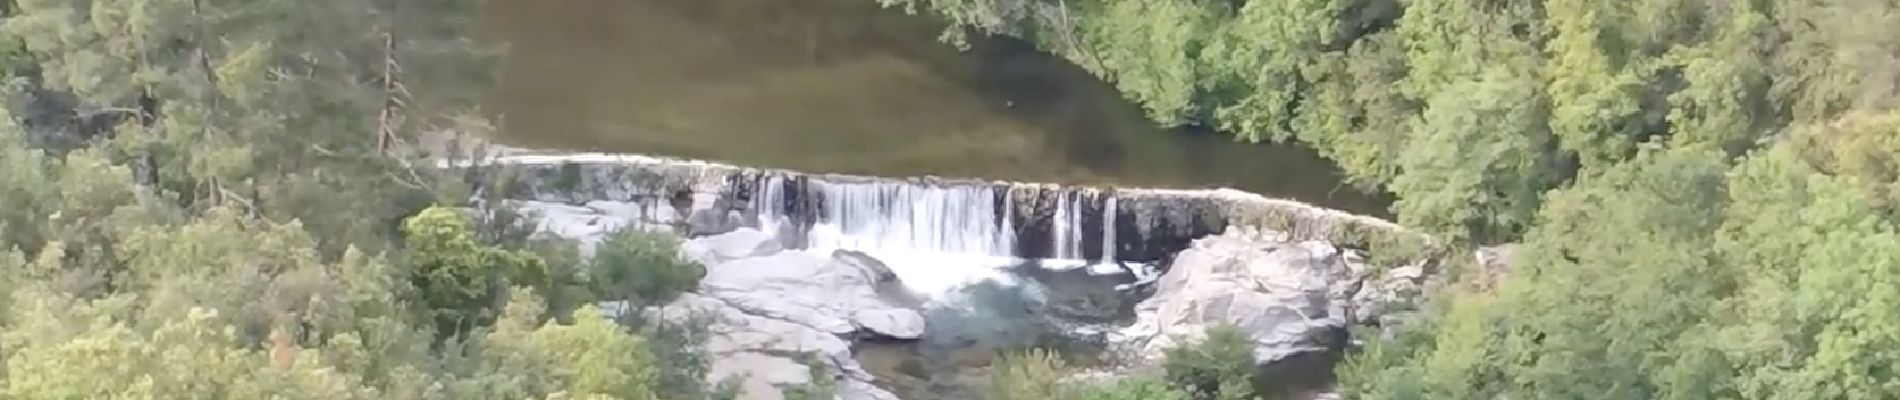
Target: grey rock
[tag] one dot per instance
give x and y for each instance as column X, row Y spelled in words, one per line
column 712, row 221
column 827, row 293
column 770, row 306
column 738, row 244
column 759, row 352
column 1291, row 298
column 878, row 272
column 588, row 225
column 896, row 323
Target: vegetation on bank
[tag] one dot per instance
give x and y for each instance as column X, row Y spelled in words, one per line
column 1220, row 366
column 214, row 200
column 1707, row 193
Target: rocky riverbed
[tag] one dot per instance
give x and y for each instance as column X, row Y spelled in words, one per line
column 938, row 290
column 777, row 311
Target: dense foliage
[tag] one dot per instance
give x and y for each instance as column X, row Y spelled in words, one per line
column 641, row 267
column 215, row 200
column 1470, row 110
column 1706, row 192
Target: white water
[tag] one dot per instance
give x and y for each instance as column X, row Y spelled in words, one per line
column 934, row 237
column 1007, row 241
column 1108, row 230
column 1066, row 233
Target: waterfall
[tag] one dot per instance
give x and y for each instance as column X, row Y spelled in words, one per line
column 1108, row 229
column 936, row 228
column 1007, row 240
column 1066, row 228
column 891, row 216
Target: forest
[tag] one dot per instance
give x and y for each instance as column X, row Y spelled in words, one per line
column 1704, row 194
column 221, row 200
column 218, row 199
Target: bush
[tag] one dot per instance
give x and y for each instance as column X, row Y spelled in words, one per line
column 642, row 267
column 1131, row 388
column 823, row 386
column 459, row 277
column 1218, row 368
column 1029, row 375
column 683, row 360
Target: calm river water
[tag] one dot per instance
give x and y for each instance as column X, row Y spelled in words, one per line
column 844, row 86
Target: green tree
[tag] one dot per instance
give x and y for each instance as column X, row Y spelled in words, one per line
column 1131, row 388
column 1259, row 60
column 1479, row 160
column 1150, row 48
column 591, row 358
column 643, row 267
column 1218, row 367
column 1724, row 99
column 29, row 188
column 461, row 281
column 1031, row 374
column 1353, row 115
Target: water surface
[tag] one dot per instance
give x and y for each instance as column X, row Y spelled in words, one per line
column 844, row 86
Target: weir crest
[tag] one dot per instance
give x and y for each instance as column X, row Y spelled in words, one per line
column 937, row 216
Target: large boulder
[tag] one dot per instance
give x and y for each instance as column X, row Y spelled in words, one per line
column 1291, row 298
column 587, row 225
column 734, row 245
column 770, row 309
column 722, row 217
column 829, row 293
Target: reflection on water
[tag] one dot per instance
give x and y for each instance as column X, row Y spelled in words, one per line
column 843, row 86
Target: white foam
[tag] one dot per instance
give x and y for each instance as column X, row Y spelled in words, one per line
column 1108, row 229
column 1067, row 224
column 933, row 275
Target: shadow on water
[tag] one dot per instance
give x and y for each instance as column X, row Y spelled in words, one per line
column 844, row 86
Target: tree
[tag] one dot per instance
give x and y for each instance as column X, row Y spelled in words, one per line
column 28, row 188
column 1259, row 63
column 460, row 280
column 1219, row 367
column 643, row 267
column 1479, row 162
column 218, row 219
column 591, row 358
column 1601, row 65
column 1353, row 116
column 1027, row 375
column 1723, row 102
column 1149, row 48
column 1131, row 388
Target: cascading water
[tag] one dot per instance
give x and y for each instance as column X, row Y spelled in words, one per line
column 909, row 218
column 1065, row 227
column 922, row 228
column 1007, row 240
column 934, row 236
column 1108, row 229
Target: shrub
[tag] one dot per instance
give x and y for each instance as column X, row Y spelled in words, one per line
column 642, row 267
column 1220, row 367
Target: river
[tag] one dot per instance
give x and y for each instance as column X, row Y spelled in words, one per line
column 845, row 86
